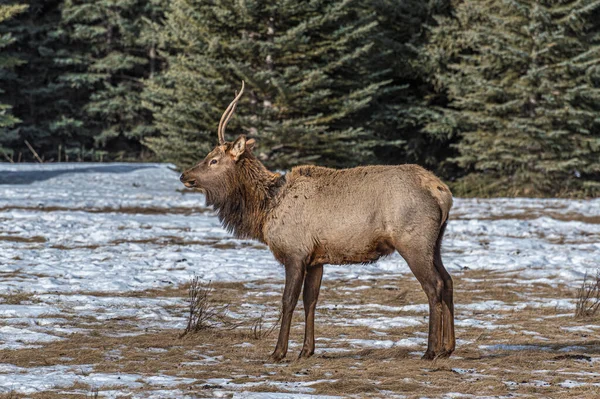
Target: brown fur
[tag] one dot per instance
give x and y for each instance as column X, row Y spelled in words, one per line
column 314, row 216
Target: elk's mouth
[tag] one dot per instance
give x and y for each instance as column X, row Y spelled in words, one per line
column 190, row 183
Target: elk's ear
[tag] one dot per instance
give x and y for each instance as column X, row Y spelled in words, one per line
column 250, row 144
column 238, row 147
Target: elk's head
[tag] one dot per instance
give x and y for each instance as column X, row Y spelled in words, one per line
column 218, row 168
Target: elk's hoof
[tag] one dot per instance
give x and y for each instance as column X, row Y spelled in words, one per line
column 445, row 353
column 276, row 357
column 305, row 354
column 429, row 355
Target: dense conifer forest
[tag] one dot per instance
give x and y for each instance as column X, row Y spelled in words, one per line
column 497, row 97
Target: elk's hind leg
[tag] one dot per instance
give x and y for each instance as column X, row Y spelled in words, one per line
column 294, row 276
column 418, row 251
column 447, row 299
column 310, row 296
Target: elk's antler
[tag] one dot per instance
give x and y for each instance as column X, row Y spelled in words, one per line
column 228, row 114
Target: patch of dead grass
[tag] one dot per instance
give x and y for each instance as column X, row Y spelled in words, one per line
column 533, row 214
column 344, row 368
column 34, row 239
column 167, row 241
column 17, row 297
column 134, row 210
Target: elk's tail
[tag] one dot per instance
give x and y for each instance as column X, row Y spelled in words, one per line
column 443, row 195
column 440, row 191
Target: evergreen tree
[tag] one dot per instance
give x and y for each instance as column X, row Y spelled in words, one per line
column 7, row 63
column 305, row 65
column 112, row 55
column 523, row 80
column 409, row 104
column 46, row 106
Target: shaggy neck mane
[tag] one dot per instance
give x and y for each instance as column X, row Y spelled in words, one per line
column 249, row 197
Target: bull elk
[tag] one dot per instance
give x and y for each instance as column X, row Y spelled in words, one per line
column 314, row 216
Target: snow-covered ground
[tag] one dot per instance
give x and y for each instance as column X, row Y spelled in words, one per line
column 71, row 231
column 121, row 227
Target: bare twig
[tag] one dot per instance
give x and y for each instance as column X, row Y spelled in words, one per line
column 204, row 314
column 6, row 156
column 201, row 312
column 258, row 327
column 35, row 154
column 399, row 299
column 588, row 297
column 93, row 394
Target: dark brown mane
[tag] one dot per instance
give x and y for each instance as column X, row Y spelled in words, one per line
column 251, row 191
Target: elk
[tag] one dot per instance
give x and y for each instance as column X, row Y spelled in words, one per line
column 314, row 216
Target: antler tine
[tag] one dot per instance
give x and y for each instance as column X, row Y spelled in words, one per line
column 229, row 117
column 228, row 114
column 219, row 132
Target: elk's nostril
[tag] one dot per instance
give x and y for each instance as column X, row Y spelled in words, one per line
column 182, row 177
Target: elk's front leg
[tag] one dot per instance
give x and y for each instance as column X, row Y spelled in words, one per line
column 294, row 276
column 310, row 296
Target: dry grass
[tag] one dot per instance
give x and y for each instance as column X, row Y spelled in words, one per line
column 125, row 210
column 588, row 297
column 550, row 354
column 201, row 312
column 174, row 240
column 530, row 214
column 167, row 241
column 17, row 297
column 34, row 239
column 261, row 328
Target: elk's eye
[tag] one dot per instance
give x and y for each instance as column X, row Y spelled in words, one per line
column 212, row 162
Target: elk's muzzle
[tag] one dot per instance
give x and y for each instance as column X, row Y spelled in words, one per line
column 190, row 183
